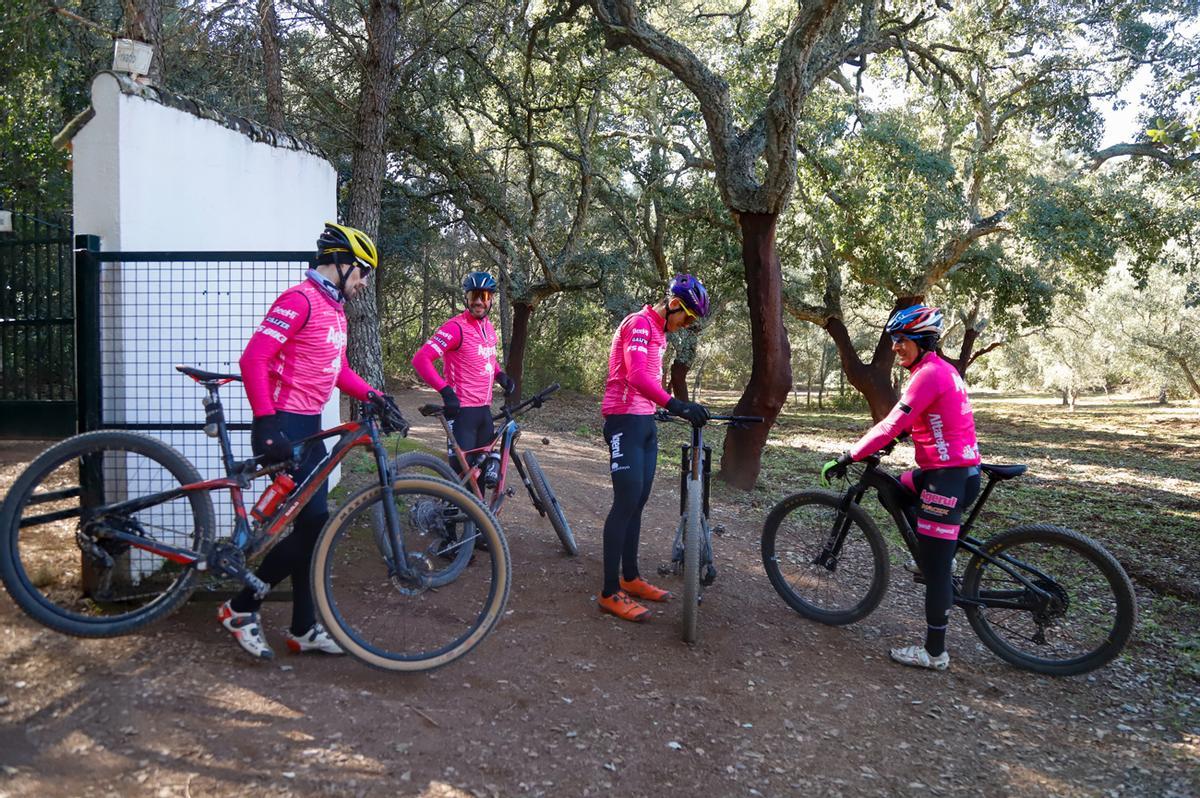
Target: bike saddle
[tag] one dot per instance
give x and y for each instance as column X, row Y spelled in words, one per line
column 1002, row 472
column 199, row 375
column 431, row 410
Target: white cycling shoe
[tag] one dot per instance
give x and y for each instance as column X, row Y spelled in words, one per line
column 246, row 629
column 315, row 639
column 918, row 657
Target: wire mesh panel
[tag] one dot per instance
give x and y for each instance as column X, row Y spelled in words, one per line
column 157, row 310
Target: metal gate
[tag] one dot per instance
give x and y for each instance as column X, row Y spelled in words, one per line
column 37, row 327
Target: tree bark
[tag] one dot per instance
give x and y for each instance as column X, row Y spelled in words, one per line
column 1187, row 372
column 771, row 373
column 679, row 375
column 268, row 35
column 368, row 164
column 1162, row 394
column 514, row 367
column 873, row 380
column 143, row 23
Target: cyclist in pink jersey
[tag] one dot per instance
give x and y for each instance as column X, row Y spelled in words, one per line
column 936, row 410
column 292, row 362
column 466, row 345
column 631, row 395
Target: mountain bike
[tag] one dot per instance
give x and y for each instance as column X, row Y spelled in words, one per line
column 486, row 468
column 691, row 554
column 1044, row 598
column 109, row 531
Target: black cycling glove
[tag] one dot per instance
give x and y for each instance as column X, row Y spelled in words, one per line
column 450, row 403
column 507, row 383
column 268, row 440
column 695, row 413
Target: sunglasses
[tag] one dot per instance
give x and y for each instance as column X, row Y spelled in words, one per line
column 481, row 295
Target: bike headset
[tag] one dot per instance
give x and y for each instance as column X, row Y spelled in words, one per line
column 346, row 246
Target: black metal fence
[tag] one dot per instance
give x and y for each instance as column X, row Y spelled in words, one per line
column 37, row 327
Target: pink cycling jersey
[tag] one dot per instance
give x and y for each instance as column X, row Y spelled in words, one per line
column 634, row 383
column 297, row 355
column 935, row 406
column 467, row 347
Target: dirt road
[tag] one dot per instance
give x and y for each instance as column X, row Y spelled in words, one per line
column 562, row 701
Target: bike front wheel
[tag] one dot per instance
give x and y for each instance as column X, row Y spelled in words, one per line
column 692, row 544
column 550, row 507
column 1079, row 617
column 59, row 557
column 828, row 566
column 406, row 622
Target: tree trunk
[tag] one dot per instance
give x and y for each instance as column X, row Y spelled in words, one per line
column 368, row 164
column 1187, row 372
column 143, row 23
column 514, row 367
column 1162, row 394
column 679, row 375
column 873, row 380
column 268, row 34
column 964, row 352
column 823, row 373
column 771, row 373
column 1066, row 400
column 426, row 310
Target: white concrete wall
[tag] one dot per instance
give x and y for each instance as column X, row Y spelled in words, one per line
column 148, row 177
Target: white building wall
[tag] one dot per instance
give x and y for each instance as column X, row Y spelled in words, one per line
column 152, row 178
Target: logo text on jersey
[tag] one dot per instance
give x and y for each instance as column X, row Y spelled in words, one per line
column 336, row 337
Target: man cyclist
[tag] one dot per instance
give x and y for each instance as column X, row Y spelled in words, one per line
column 936, row 409
column 631, row 395
column 290, row 366
column 466, row 345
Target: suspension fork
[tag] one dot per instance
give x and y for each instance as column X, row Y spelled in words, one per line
column 398, row 566
column 829, row 554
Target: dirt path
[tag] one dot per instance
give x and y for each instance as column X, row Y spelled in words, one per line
column 563, row 701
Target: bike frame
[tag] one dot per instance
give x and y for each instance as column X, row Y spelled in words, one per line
column 504, row 443
column 249, row 536
column 893, row 496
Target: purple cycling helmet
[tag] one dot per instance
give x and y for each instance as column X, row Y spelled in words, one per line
column 691, row 292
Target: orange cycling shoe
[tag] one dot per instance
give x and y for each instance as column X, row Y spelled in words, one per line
column 622, row 606
column 642, row 589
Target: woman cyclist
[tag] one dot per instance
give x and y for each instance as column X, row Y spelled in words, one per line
column 935, row 408
column 290, row 366
column 631, row 395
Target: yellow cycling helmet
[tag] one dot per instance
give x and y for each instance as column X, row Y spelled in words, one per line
column 341, row 244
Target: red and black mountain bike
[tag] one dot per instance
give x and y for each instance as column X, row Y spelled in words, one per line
column 108, row 531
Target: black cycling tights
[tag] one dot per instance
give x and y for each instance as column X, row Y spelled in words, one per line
column 472, row 428
column 941, row 496
column 632, row 456
column 292, row 556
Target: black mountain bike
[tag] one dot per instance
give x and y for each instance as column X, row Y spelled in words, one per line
column 486, row 468
column 108, row 531
column 692, row 554
column 1042, row 597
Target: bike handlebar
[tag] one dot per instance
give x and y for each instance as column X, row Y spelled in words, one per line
column 733, row 421
column 535, row 401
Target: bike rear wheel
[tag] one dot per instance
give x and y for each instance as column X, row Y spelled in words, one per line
column 449, row 536
column 1085, row 621
column 396, row 624
column 58, row 558
column 824, row 579
column 550, row 507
